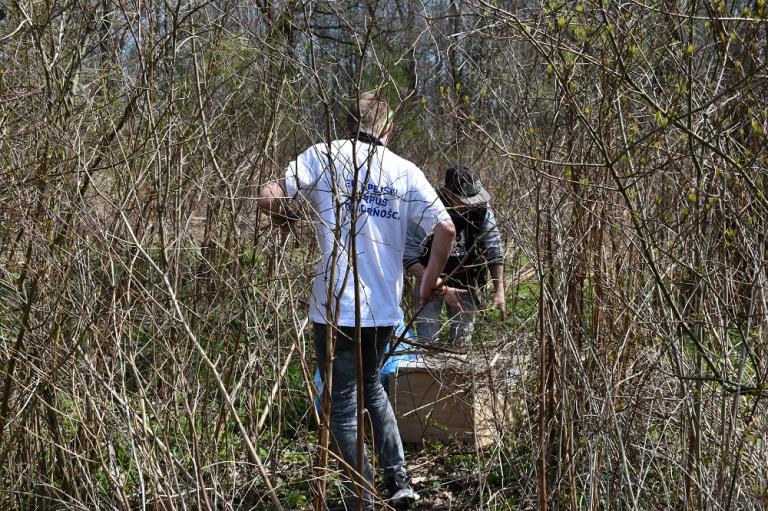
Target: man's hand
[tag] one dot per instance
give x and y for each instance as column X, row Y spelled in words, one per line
column 500, row 303
column 452, row 297
column 430, row 286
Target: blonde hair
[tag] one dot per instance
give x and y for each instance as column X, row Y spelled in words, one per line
column 372, row 112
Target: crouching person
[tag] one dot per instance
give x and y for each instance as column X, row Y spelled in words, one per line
column 476, row 252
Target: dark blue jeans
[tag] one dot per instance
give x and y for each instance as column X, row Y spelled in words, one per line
column 386, row 436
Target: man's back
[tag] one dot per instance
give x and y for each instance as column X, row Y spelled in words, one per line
column 363, row 197
column 390, row 191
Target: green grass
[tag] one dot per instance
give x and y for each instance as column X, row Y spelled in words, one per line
column 521, row 306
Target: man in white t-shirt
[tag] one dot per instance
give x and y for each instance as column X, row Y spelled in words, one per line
column 362, row 197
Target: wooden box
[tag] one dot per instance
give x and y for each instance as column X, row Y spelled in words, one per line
column 468, row 401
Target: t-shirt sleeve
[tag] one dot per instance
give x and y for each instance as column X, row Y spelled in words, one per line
column 300, row 174
column 426, row 209
column 415, row 245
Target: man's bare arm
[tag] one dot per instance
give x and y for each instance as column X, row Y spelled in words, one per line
column 273, row 200
column 443, row 235
column 499, row 300
column 451, row 295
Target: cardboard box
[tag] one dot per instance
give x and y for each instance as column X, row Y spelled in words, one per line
column 455, row 399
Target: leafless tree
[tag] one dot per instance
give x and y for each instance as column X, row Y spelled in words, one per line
column 152, row 326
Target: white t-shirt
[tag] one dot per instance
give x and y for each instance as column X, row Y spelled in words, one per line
column 392, row 192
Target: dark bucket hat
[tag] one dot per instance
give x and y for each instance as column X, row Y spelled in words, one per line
column 465, row 186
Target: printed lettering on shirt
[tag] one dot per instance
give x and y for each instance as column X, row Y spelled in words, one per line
column 376, row 201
